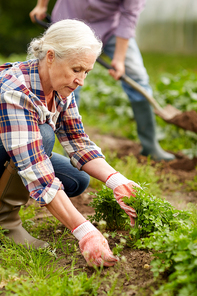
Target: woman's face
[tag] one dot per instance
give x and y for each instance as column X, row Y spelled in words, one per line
column 66, row 75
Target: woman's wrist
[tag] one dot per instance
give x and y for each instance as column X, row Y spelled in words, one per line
column 83, row 229
column 62, row 208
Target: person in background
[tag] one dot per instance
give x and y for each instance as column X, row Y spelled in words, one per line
column 37, row 101
column 114, row 23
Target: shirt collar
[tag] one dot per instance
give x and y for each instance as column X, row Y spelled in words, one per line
column 36, row 85
column 35, row 82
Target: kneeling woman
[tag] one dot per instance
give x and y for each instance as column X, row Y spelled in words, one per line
column 37, row 101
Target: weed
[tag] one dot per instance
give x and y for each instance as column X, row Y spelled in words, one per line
column 113, row 234
column 27, row 213
column 119, row 247
column 107, row 209
column 175, row 252
column 67, row 247
column 102, row 225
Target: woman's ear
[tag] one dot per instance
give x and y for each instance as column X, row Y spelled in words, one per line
column 50, row 56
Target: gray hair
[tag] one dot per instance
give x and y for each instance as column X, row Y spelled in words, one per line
column 67, row 37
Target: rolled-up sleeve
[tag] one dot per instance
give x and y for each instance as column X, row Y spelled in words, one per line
column 75, row 141
column 22, row 140
column 129, row 13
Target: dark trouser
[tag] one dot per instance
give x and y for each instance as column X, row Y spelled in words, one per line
column 74, row 181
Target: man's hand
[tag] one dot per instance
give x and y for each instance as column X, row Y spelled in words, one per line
column 118, row 69
column 122, row 187
column 118, row 61
column 40, row 10
column 94, row 247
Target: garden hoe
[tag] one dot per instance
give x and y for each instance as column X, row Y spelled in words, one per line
column 186, row 120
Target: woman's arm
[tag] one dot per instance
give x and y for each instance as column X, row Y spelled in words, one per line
column 98, row 168
column 93, row 245
column 62, row 208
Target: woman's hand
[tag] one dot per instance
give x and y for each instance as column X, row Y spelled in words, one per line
column 122, row 187
column 94, row 247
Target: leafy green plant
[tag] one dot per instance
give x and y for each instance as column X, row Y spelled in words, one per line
column 153, row 214
column 107, row 209
column 175, row 253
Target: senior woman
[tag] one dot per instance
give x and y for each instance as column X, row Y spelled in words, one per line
column 37, row 101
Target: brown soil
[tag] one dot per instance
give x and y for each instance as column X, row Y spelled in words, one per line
column 133, row 276
column 186, row 120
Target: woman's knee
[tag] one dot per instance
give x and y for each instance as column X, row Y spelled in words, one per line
column 77, row 185
column 74, row 181
column 83, row 182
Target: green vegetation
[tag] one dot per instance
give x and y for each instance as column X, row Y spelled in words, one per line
column 175, row 252
column 105, row 206
column 41, row 273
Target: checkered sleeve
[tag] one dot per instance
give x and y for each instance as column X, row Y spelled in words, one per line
column 73, row 138
column 22, row 140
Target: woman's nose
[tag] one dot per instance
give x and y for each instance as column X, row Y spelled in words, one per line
column 80, row 80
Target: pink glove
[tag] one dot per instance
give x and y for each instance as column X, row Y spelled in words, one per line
column 94, row 247
column 122, row 187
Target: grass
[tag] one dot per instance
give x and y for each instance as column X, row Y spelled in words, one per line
column 38, row 270
column 157, row 64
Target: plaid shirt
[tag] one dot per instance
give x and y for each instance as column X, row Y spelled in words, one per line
column 22, row 108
